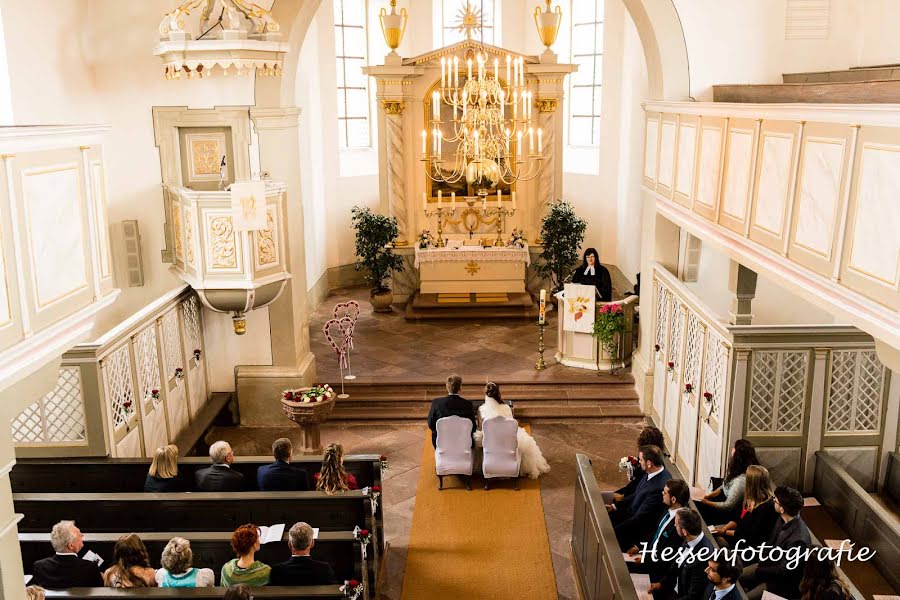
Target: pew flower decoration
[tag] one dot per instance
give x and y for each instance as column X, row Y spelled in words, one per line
column 708, row 396
column 363, row 536
column 517, row 238
column 710, row 406
column 425, row 239
column 384, row 462
column 374, row 493
column 352, row 589
column 628, row 464
column 688, row 388
column 197, row 353
column 154, row 394
column 670, row 367
column 179, row 373
column 656, row 347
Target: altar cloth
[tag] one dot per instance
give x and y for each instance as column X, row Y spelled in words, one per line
column 489, row 254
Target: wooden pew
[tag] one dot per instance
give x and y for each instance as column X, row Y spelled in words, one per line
column 197, row 511
column 212, row 550
column 299, row 593
column 128, row 474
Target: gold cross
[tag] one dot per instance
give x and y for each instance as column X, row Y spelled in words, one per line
column 472, row 268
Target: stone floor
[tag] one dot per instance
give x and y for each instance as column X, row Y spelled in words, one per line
column 389, row 347
column 603, row 443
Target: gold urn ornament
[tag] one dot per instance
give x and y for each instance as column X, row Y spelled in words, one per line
column 547, row 23
column 393, row 26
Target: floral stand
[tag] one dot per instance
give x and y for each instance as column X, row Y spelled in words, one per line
column 308, row 415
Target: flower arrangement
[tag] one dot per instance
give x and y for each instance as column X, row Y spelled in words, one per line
column 374, row 493
column 317, row 393
column 425, row 239
column 352, row 589
column 610, row 322
column 670, row 367
column 384, row 462
column 154, row 394
column 363, row 536
column 197, row 353
column 179, row 373
column 708, row 396
column 516, row 238
column 127, row 405
column 688, row 388
column 656, row 347
column 628, row 463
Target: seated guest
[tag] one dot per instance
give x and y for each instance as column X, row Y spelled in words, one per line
column 301, row 569
column 724, row 503
column 635, row 516
column 791, row 532
column 723, row 577
column 238, row 591
column 64, row 569
column 131, row 565
column 591, row 272
column 758, row 516
column 450, row 405
column 176, row 568
column 333, row 477
column 281, row 475
column 821, row 581
column 34, row 592
column 675, row 495
column 686, row 577
column 219, row 477
column 163, row 475
column 245, row 568
column 649, row 436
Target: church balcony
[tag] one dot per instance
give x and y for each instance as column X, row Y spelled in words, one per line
column 232, row 270
column 806, row 193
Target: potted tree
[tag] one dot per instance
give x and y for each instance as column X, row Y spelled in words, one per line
column 375, row 235
column 562, row 232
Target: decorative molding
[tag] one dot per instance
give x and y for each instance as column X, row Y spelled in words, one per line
column 393, row 107
column 222, row 242
column 275, row 118
column 547, row 105
column 266, row 244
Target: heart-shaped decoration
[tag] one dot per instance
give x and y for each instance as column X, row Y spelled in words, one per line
column 337, row 336
column 347, row 310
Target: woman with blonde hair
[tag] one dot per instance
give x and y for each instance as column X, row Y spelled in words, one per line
column 163, row 474
column 176, row 569
column 758, row 516
column 131, row 565
column 333, row 477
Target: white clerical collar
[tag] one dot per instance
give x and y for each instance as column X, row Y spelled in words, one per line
column 589, row 270
column 722, row 593
column 654, row 474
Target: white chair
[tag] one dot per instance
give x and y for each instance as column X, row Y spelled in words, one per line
column 454, row 455
column 501, row 449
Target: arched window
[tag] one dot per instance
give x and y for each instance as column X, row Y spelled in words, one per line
column 450, row 13
column 586, row 51
column 351, row 54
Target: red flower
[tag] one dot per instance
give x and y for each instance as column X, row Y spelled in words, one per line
column 376, row 488
column 154, row 392
column 707, row 395
column 656, row 347
column 670, row 364
column 288, row 395
column 363, row 533
column 689, row 387
column 353, row 583
column 382, row 458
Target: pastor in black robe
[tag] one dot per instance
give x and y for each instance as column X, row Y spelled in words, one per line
column 596, row 275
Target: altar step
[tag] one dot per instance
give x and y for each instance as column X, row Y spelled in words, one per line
column 609, row 398
column 471, row 306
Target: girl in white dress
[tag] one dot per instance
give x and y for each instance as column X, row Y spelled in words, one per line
column 533, row 463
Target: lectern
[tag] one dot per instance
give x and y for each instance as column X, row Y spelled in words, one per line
column 583, row 350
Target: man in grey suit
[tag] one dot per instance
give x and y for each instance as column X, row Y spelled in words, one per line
column 219, row 477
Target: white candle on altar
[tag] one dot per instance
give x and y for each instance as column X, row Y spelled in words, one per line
column 508, row 61
column 440, row 194
column 424, row 142
column 514, row 201
column 499, row 198
column 452, row 201
column 443, row 71
column 424, row 201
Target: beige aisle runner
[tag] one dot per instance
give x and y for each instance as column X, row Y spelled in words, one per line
column 479, row 544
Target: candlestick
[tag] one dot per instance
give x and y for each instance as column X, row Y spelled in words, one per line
column 543, row 308
column 508, row 61
column 456, row 72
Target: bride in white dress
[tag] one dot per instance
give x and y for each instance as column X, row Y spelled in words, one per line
column 533, row 463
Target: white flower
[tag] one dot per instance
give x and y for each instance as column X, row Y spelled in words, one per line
column 319, row 398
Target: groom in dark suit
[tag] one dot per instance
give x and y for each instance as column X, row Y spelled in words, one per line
column 634, row 517
column 451, row 404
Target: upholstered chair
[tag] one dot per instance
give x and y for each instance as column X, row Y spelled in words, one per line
column 501, row 449
column 454, row 453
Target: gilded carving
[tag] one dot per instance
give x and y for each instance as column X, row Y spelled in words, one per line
column 176, row 224
column 189, row 236
column 393, row 107
column 266, row 253
column 221, row 231
column 547, row 104
column 205, row 155
column 472, row 267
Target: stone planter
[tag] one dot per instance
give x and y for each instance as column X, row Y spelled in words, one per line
column 381, row 301
column 308, row 415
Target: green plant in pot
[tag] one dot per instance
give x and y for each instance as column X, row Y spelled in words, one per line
column 375, row 235
column 562, row 232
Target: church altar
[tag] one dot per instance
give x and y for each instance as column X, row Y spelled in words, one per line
column 472, row 270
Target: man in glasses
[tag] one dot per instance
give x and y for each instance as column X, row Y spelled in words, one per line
column 219, row 477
